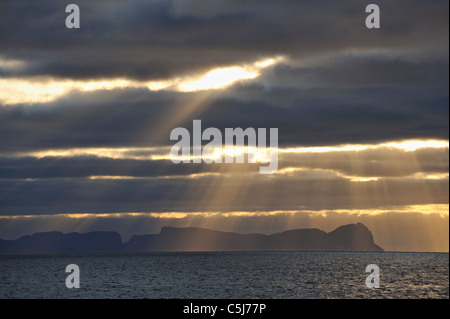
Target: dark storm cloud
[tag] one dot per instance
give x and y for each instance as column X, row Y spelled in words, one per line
column 159, row 39
column 212, row 193
column 381, row 162
column 361, row 70
column 107, row 119
column 319, row 116
column 51, row 167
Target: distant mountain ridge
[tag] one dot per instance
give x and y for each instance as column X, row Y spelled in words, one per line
column 352, row 237
column 57, row 242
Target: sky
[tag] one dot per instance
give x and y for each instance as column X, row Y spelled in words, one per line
column 362, row 116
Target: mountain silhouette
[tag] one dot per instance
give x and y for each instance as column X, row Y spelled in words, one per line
column 57, row 242
column 352, row 237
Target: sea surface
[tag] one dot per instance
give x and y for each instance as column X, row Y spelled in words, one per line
column 269, row 275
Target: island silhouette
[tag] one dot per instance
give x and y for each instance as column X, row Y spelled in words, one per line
column 352, row 237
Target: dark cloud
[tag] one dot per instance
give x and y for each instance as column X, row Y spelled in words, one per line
column 315, row 117
column 340, row 84
column 80, row 166
column 158, row 39
column 213, row 193
column 382, row 162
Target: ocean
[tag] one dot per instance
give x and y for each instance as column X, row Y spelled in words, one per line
column 226, row 275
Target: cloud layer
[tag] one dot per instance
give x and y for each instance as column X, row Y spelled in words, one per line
column 86, row 114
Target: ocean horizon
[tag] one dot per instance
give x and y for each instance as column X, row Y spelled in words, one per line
column 226, row 275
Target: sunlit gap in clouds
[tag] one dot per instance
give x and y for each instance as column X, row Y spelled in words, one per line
column 163, row 152
column 199, row 91
column 371, row 164
column 426, row 209
column 405, row 145
column 217, row 79
column 45, row 89
column 136, row 153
